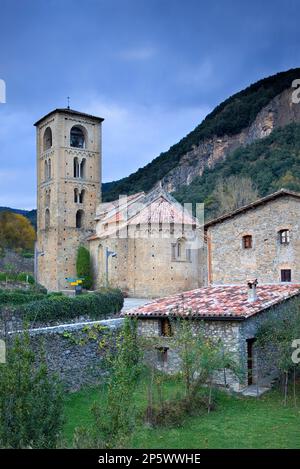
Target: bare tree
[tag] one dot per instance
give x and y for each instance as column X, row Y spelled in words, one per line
column 233, row 192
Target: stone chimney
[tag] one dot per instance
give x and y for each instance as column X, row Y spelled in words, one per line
column 252, row 295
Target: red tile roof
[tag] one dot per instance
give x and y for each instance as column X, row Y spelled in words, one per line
column 162, row 211
column 217, row 302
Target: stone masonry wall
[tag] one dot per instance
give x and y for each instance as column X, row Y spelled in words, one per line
column 70, row 353
column 57, row 243
column 144, row 266
column 234, row 336
column 232, row 264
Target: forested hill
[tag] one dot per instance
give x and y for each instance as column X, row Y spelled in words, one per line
column 227, row 119
column 30, row 214
column 271, row 163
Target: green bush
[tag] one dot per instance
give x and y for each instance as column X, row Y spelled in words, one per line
column 83, row 267
column 17, row 297
column 31, row 400
column 20, row 277
column 55, row 307
column 28, row 255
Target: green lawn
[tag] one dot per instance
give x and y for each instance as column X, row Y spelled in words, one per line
column 237, row 422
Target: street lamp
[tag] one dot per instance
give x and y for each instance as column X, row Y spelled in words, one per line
column 107, row 254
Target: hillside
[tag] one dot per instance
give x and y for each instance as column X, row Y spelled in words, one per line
column 30, row 214
column 272, row 163
column 241, row 119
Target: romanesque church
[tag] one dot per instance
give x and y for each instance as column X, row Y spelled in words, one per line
column 156, row 245
column 148, row 244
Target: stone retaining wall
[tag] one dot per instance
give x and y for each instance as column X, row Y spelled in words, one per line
column 72, row 350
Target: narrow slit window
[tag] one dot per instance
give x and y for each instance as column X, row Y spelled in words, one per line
column 247, row 242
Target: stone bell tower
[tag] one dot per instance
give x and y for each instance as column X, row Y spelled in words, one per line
column 68, row 191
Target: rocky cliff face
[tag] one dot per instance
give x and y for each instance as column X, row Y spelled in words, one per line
column 279, row 112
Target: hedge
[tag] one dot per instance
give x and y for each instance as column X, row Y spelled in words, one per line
column 94, row 305
column 18, row 296
column 21, row 277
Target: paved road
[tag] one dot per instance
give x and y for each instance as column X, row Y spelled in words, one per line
column 130, row 303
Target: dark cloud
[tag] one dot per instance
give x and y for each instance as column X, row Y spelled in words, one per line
column 152, row 68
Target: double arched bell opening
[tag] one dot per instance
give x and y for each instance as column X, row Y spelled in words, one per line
column 79, row 168
column 79, row 196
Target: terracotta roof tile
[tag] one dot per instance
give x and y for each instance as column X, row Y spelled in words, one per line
column 217, row 302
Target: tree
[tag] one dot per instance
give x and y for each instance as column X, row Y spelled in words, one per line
column 200, row 359
column 114, row 416
column 16, row 232
column 31, row 400
column 232, row 193
column 274, row 342
column 287, row 181
column 83, row 267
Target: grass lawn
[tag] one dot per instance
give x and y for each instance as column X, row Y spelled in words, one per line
column 237, row 422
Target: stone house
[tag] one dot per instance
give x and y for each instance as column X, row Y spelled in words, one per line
column 232, row 313
column 156, row 246
column 260, row 240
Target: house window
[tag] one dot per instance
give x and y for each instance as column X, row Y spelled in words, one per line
column 162, row 355
column 247, row 242
column 286, row 275
column 77, row 138
column 172, row 228
column 284, row 236
column 165, row 327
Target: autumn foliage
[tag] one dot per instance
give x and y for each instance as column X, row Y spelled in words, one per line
column 16, row 232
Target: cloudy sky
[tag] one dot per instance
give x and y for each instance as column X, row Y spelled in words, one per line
column 152, row 68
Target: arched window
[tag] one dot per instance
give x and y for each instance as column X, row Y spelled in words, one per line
column 47, row 219
column 47, row 140
column 181, row 251
column 77, row 137
column 79, row 218
column 46, row 170
column 49, row 169
column 82, row 168
column 76, row 168
column 75, row 196
column 81, row 196
column 48, row 198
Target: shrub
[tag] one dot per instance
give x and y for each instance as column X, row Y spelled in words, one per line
column 83, row 267
column 31, row 400
column 28, row 255
column 94, row 305
column 173, row 412
column 17, row 297
column 17, row 277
